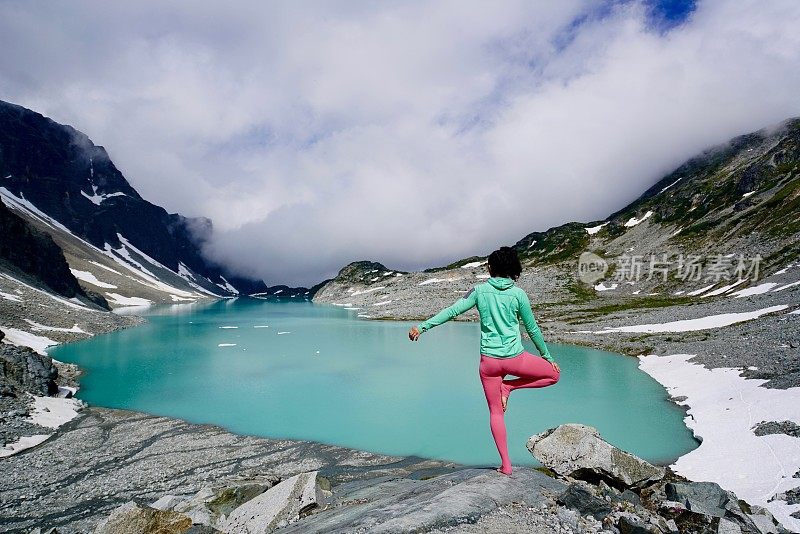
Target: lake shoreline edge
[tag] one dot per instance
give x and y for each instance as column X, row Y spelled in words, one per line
column 562, row 336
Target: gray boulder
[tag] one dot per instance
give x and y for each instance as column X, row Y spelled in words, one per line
column 706, row 498
column 133, row 518
column 211, row 505
column 710, row 500
column 579, row 452
column 277, row 507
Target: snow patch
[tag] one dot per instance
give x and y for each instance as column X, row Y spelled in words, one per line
column 20, row 338
column 594, row 229
column 436, row 280
column 633, row 221
column 52, row 412
column 39, row 327
column 116, row 298
column 25, row 442
column 701, row 290
column 11, row 297
column 370, row 290
column 601, row 287
column 723, row 289
column 227, row 286
column 670, row 185
column 90, row 278
column 381, row 303
column 701, row 323
column 98, row 199
column 756, row 290
column 723, row 409
column 473, row 264
column 781, row 288
column 67, row 302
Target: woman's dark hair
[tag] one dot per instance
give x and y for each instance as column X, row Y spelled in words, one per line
column 504, row 263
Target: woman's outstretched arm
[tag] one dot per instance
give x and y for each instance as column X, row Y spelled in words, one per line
column 457, row 308
column 529, row 321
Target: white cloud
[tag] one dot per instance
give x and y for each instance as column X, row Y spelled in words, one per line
column 411, row 134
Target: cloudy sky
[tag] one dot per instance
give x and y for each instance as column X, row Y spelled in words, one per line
column 411, row 133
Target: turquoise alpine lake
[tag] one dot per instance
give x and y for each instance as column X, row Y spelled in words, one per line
column 320, row 373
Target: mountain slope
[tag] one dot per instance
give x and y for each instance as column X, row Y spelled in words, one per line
column 57, row 179
column 33, row 255
column 740, row 198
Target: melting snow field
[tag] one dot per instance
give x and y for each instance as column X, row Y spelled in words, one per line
column 90, row 278
column 11, row 297
column 687, row 325
column 723, row 409
column 49, row 412
column 116, row 298
column 26, row 339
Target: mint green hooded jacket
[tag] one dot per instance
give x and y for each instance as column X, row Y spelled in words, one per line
column 501, row 305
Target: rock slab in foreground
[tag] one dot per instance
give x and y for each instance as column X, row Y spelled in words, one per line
column 276, row 507
column 578, row 451
column 401, row 505
column 132, row 518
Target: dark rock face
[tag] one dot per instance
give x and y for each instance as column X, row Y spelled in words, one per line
column 791, row 497
column 790, row 428
column 584, row 501
column 34, row 254
column 358, row 271
column 22, row 369
column 65, row 175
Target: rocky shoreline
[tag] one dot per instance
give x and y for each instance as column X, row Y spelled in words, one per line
column 121, row 472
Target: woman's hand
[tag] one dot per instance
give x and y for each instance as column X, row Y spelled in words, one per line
column 413, row 334
column 556, row 368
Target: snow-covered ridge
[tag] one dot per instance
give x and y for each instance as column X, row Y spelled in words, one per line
column 136, row 265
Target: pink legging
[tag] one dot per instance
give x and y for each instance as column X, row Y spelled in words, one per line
column 533, row 372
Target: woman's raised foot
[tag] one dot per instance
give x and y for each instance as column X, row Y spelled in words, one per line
column 504, row 393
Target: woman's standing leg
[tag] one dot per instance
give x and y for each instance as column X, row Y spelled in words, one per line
column 492, row 373
column 533, row 372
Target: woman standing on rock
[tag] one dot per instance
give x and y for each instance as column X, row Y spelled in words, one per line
column 501, row 305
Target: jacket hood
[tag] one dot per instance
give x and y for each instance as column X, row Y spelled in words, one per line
column 500, row 282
